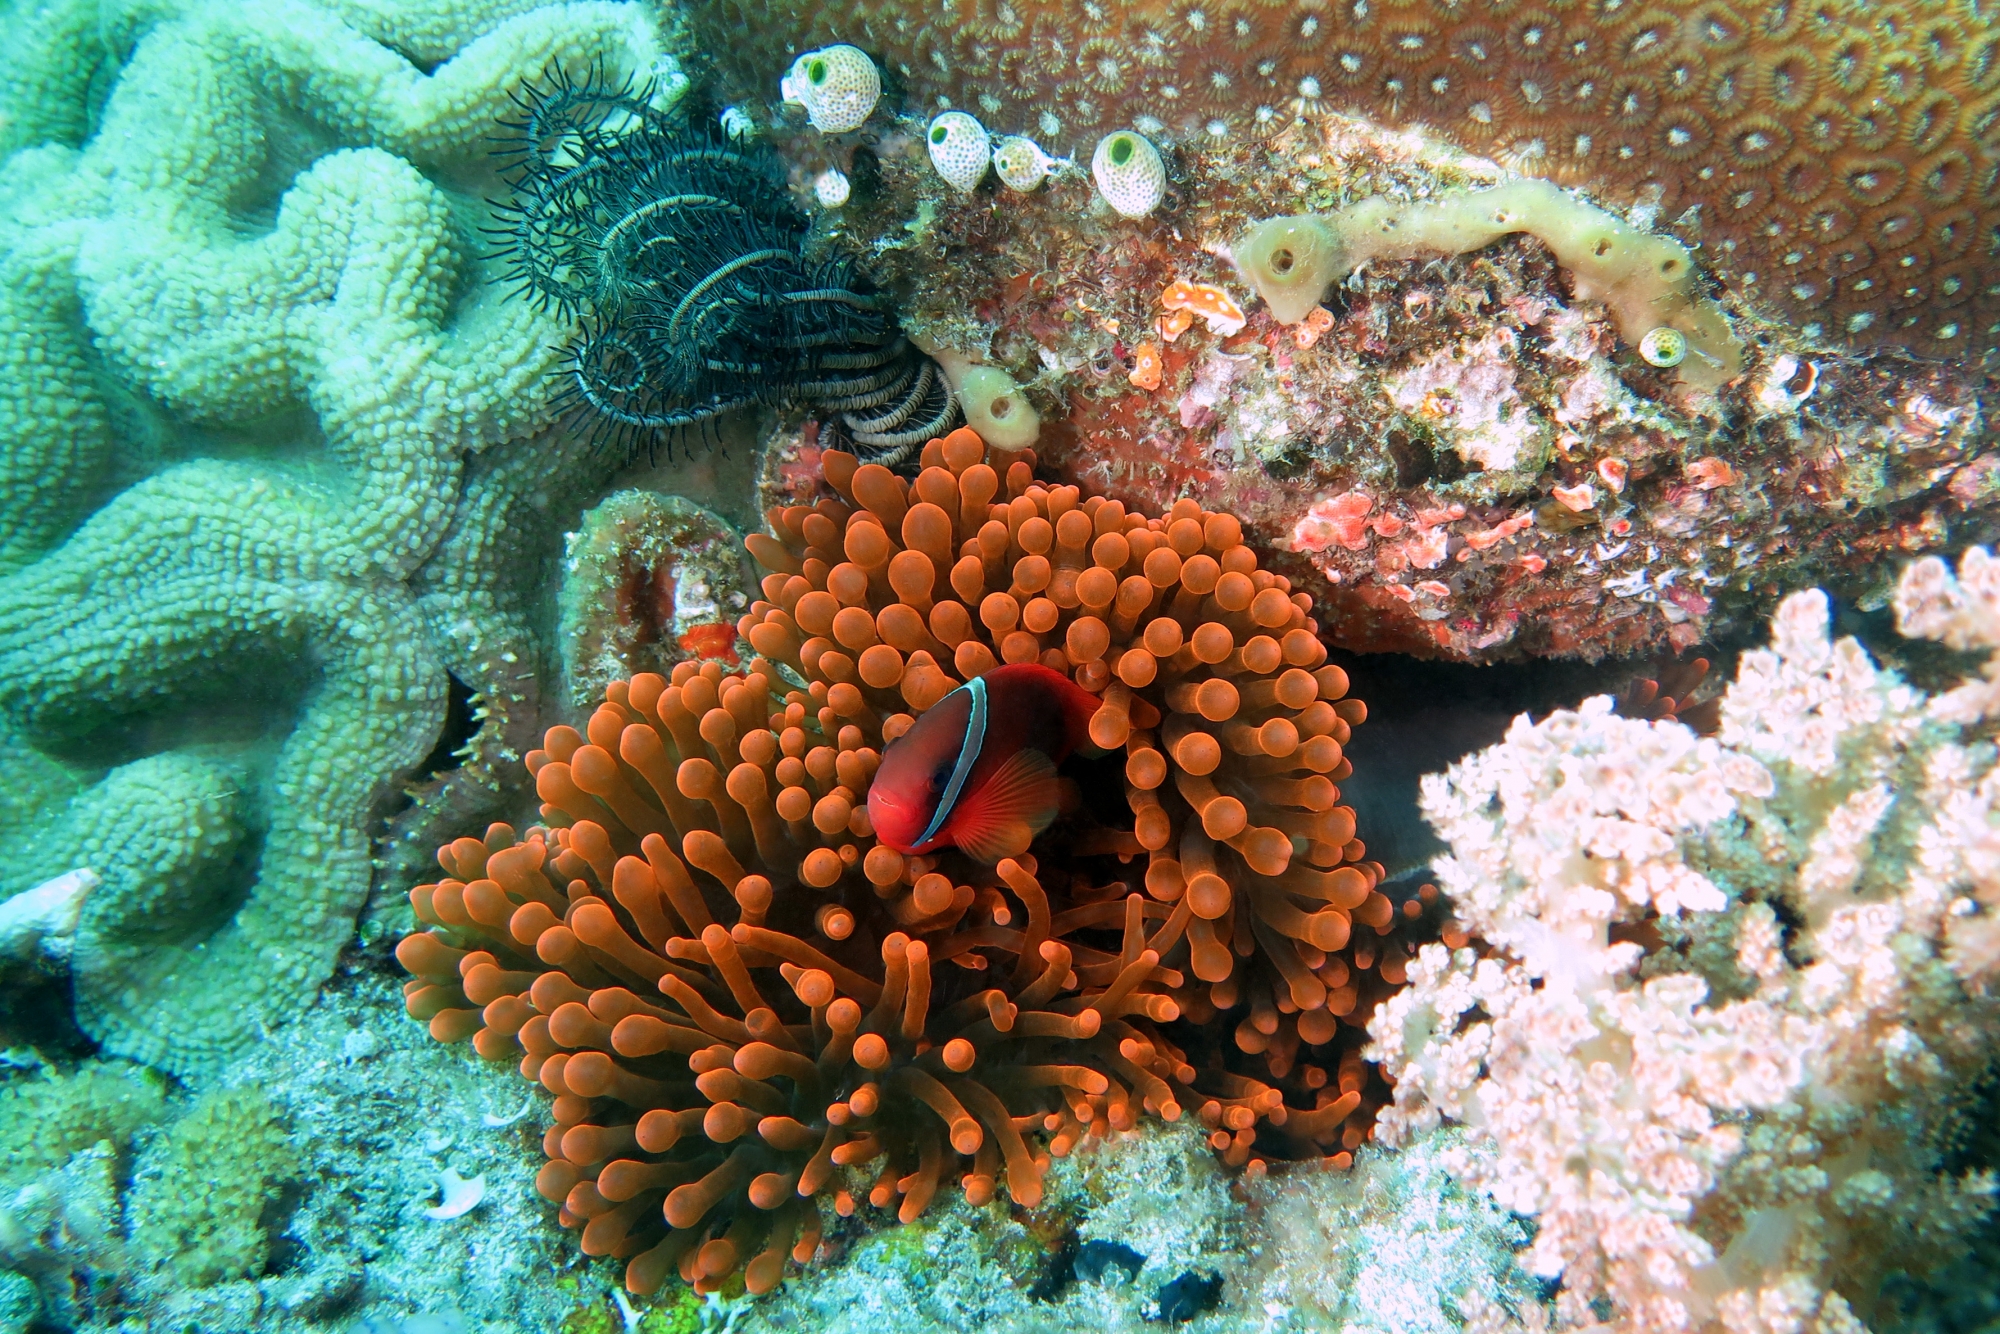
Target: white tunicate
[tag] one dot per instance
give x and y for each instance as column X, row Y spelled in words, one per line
column 1664, row 346
column 669, row 84
column 960, row 149
column 1021, row 164
column 1129, row 173
column 838, row 86
column 831, row 188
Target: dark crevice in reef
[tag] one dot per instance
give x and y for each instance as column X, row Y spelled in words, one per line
column 1424, row 715
column 1923, row 662
column 461, row 725
column 39, row 1012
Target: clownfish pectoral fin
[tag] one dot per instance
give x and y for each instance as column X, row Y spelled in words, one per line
column 1002, row 818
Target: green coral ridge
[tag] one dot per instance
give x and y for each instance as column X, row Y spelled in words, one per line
column 49, row 55
column 254, row 300
column 204, row 1193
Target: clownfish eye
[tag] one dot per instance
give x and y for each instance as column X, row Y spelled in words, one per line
column 941, row 779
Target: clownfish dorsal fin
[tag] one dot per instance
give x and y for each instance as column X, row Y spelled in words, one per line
column 1002, row 816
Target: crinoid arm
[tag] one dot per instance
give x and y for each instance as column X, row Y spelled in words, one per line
column 885, row 403
column 680, row 257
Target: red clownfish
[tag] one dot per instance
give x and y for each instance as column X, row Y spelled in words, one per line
column 978, row 770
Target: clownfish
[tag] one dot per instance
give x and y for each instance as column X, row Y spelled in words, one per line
column 978, row 770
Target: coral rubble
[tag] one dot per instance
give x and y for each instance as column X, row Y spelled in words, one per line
column 1734, row 987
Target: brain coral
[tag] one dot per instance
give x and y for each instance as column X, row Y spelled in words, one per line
column 710, row 899
column 1837, row 158
column 314, row 418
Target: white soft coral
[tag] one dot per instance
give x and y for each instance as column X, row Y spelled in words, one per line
column 1690, row 1131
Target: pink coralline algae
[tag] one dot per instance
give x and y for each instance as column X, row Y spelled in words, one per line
column 1338, row 520
column 1712, row 472
column 1426, row 548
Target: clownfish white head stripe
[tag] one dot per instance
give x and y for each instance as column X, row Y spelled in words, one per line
column 968, row 755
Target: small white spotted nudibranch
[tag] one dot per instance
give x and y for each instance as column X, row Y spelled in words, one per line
column 838, row 86
column 960, row 149
column 1129, row 173
column 1021, row 164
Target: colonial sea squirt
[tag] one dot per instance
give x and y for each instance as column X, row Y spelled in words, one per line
column 707, row 896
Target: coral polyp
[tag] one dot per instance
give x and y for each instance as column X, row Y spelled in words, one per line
column 684, row 263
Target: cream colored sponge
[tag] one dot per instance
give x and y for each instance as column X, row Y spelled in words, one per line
column 995, row 407
column 992, row 402
column 1646, row 281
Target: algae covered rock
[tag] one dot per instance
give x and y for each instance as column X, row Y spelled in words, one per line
column 650, row 580
column 20, row 1304
column 204, row 1195
column 46, row 1118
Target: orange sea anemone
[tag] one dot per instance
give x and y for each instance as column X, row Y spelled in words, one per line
column 742, row 1001
column 1214, row 685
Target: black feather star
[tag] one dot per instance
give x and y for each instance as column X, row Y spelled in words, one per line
column 682, row 259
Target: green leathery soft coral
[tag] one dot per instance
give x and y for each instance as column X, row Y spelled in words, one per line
column 205, row 1191
column 261, row 406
